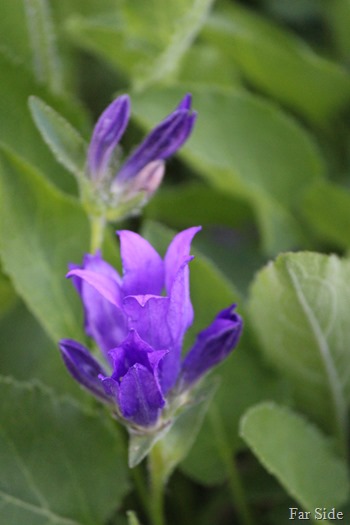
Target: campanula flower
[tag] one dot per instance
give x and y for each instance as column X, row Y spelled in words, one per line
column 139, row 320
column 144, row 168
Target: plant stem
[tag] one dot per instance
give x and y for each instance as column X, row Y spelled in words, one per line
column 97, row 224
column 156, row 506
column 235, row 483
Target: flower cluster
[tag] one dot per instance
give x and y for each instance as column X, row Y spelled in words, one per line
column 143, row 170
column 139, row 321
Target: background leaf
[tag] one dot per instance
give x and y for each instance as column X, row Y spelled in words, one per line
column 42, row 39
column 50, row 461
column 280, row 64
column 16, row 87
column 39, row 236
column 299, row 307
column 298, row 454
column 146, row 44
column 64, row 141
column 247, row 148
column 326, row 207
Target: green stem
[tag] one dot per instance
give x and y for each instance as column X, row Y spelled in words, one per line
column 156, row 505
column 140, row 487
column 235, row 483
column 97, row 224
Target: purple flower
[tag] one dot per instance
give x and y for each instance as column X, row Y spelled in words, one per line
column 139, row 322
column 143, row 169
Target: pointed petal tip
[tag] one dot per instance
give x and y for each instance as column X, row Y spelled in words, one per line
column 186, row 102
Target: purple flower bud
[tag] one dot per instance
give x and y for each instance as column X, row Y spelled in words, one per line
column 140, row 331
column 107, row 133
column 83, row 367
column 147, row 180
column 162, row 142
column 212, row 346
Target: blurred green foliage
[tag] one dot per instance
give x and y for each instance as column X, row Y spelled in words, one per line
column 266, row 172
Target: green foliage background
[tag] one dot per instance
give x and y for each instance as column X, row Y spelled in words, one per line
column 267, row 174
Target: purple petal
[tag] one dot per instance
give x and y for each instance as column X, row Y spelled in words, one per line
column 212, row 346
column 134, row 350
column 177, row 252
column 186, row 102
column 147, row 314
column 180, row 315
column 162, row 322
column 179, row 318
column 103, row 284
column 143, row 267
column 83, row 367
column 140, row 399
column 107, row 133
column 104, row 322
column 162, row 142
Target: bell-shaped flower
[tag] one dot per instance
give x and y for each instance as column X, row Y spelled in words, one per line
column 139, row 321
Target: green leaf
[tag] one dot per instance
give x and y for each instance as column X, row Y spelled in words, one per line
column 247, row 148
column 41, row 231
column 45, row 363
column 14, row 40
column 299, row 307
column 168, row 200
column 50, row 460
column 45, row 58
column 147, row 44
column 279, row 63
column 298, row 454
column 338, row 15
column 185, row 20
column 16, row 87
column 64, row 141
column 326, row 207
column 244, row 381
column 8, row 296
column 204, row 64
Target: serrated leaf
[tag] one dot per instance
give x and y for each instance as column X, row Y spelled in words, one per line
column 41, row 231
column 298, row 454
column 299, row 307
column 279, row 63
column 67, row 145
column 50, row 461
column 246, row 148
